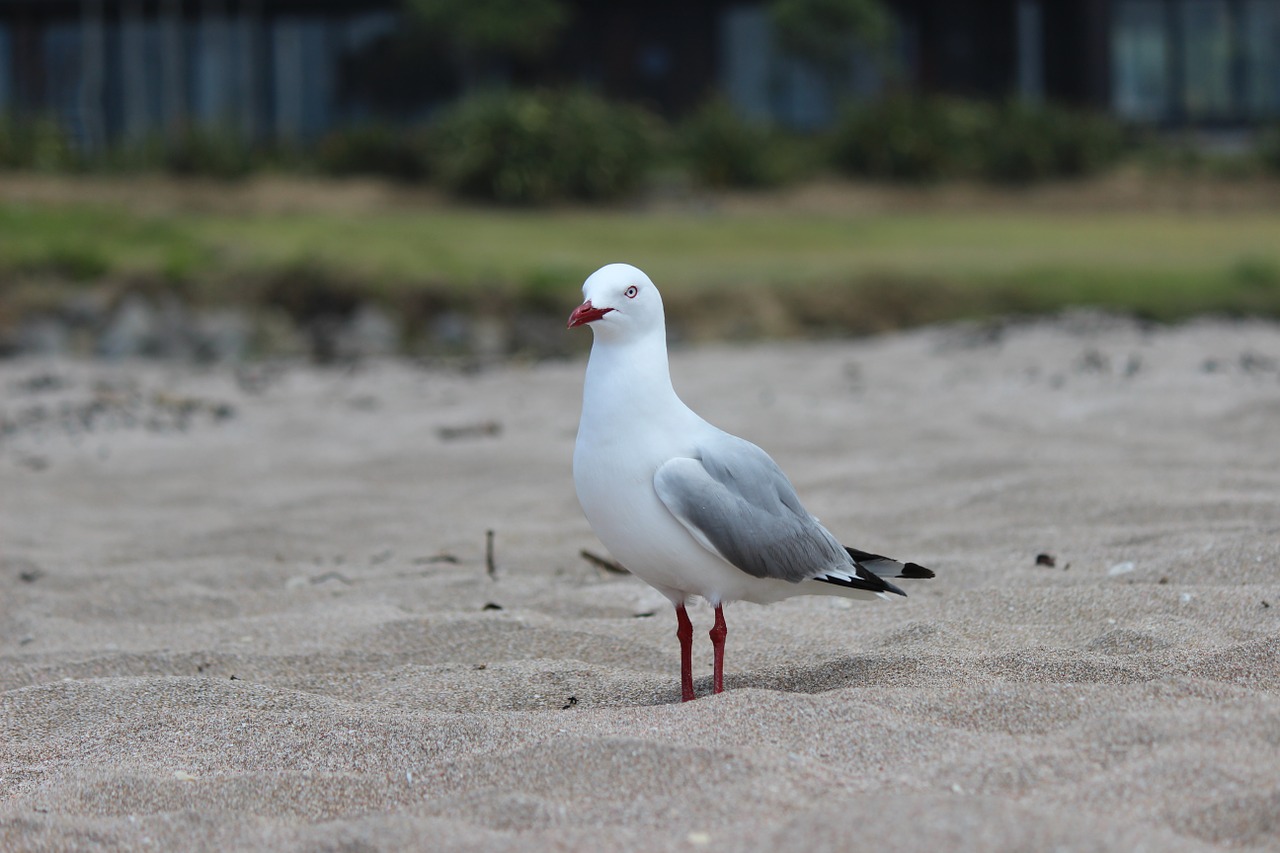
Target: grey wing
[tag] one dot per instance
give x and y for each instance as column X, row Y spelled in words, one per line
column 737, row 503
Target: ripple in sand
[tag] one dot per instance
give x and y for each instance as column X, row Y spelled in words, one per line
column 1127, row 641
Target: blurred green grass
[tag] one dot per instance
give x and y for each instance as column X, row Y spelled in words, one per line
column 910, row 266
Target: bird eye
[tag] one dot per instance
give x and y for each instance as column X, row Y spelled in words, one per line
column 631, row 292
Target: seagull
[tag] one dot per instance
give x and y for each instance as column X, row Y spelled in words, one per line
column 688, row 508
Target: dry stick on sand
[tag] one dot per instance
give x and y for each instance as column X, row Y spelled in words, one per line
column 603, row 562
column 488, row 555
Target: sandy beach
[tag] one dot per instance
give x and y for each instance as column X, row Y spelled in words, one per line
column 250, row 609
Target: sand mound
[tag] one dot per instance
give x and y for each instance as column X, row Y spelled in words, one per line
column 268, row 623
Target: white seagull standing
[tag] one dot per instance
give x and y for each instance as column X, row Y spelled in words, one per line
column 686, row 507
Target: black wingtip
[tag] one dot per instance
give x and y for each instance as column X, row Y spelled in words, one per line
column 916, row 571
column 860, row 556
column 872, row 583
column 911, row 571
column 888, row 587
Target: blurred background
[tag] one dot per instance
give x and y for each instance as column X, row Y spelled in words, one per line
column 229, row 179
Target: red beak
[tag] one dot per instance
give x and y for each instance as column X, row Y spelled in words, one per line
column 586, row 313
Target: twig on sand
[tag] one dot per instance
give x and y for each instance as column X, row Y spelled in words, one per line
column 603, row 562
column 490, row 566
column 483, row 429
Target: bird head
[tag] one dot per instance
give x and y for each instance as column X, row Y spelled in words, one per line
column 621, row 301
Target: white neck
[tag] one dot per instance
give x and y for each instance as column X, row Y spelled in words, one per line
column 629, row 380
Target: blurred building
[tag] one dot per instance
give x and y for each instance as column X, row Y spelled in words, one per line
column 1171, row 63
column 121, row 69
column 290, row 69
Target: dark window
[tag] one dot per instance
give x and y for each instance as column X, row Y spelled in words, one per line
column 1196, row 61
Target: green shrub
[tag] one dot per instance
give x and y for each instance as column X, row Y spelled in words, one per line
column 723, row 150
column 1187, row 155
column 908, row 138
column 373, row 149
column 1257, row 272
column 1017, row 146
column 135, row 155
column 1092, row 143
column 35, row 144
column 211, row 152
column 1173, row 154
column 1029, row 142
column 537, row 147
column 1267, row 148
column 924, row 139
column 77, row 261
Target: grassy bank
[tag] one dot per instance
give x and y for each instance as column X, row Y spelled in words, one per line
column 730, row 272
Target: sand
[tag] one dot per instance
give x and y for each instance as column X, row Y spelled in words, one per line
column 250, row 609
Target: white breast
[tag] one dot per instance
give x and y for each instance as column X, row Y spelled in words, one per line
column 614, row 481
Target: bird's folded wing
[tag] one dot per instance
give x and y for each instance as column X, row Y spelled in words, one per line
column 737, row 503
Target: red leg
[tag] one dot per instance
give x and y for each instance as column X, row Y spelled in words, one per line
column 684, row 631
column 718, row 632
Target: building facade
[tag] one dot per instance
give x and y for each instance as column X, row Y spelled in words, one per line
column 111, row 70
